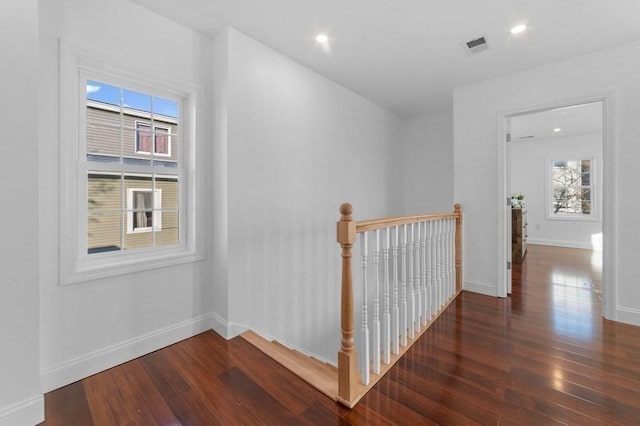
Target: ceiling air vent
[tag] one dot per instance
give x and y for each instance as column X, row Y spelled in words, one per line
column 476, row 45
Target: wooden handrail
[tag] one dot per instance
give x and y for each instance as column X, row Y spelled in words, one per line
column 349, row 390
column 373, row 224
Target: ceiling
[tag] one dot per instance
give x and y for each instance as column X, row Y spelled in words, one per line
column 569, row 121
column 407, row 55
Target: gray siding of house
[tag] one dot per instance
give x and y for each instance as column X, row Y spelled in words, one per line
column 108, row 219
column 103, row 134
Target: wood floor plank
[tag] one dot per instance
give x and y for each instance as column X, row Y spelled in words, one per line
column 185, row 401
column 291, row 392
column 256, row 399
column 69, row 402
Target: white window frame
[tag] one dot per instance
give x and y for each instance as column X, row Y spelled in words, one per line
column 77, row 65
column 156, row 210
column 153, row 140
column 549, row 213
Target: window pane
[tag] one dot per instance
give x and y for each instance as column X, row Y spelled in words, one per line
column 169, row 164
column 104, row 93
column 165, row 107
column 167, row 147
column 571, row 186
column 142, row 205
column 162, row 141
column 104, row 192
column 136, row 101
column 138, row 240
column 585, row 201
column 103, row 132
column 143, row 137
column 169, row 233
column 586, row 173
column 168, row 185
column 104, row 231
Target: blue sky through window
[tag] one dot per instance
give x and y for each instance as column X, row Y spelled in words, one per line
column 101, row 92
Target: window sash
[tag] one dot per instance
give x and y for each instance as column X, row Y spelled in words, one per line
column 569, row 196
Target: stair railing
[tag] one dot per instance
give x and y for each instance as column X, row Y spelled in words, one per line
column 421, row 274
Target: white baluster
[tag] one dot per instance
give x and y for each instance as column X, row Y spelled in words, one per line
column 403, row 302
column 423, row 274
column 376, row 306
column 418, row 285
column 440, row 264
column 364, row 368
column 412, row 301
column 445, row 260
column 449, row 262
column 395, row 312
column 452, row 257
column 438, row 268
column 386, row 317
column 430, row 270
column 434, row 277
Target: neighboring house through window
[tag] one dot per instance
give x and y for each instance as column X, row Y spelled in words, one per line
column 120, row 123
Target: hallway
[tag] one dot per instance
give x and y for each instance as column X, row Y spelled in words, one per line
column 542, row 356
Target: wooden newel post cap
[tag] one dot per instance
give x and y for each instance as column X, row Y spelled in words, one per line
column 346, row 225
column 456, row 207
column 345, row 210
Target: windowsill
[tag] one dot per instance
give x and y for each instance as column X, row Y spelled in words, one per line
column 110, row 264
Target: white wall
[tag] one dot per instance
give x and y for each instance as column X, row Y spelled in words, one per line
column 21, row 399
column 298, row 146
column 427, row 163
column 91, row 326
column 218, row 176
column 476, row 111
column 529, row 176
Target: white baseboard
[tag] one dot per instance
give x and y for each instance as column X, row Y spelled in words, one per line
column 28, row 412
column 94, row 362
column 482, row 288
column 555, row 243
column 235, row 329
column 628, row 315
column 220, row 326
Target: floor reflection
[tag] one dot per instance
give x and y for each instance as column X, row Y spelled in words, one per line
column 572, row 305
column 565, row 284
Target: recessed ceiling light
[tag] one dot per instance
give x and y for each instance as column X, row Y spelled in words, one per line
column 557, row 129
column 322, row 38
column 518, row 29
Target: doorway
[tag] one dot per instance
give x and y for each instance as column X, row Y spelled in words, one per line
column 555, row 172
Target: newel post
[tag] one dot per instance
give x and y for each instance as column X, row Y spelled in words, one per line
column 458, row 212
column 347, row 368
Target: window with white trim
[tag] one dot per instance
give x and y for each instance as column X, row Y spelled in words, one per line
column 158, row 140
column 144, row 210
column 128, row 149
column 125, row 180
column 571, row 189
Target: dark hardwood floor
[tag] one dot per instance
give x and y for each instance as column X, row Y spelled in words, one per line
column 542, row 356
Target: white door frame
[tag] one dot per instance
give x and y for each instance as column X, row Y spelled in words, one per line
column 609, row 291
